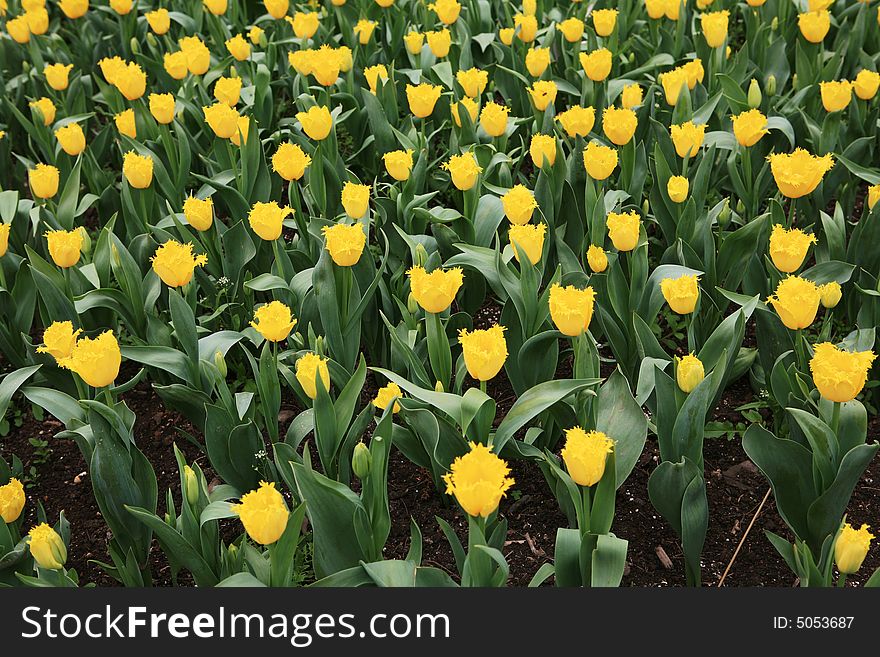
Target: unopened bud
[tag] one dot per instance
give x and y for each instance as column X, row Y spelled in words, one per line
column 220, row 363
column 794, row 81
column 770, row 85
column 421, row 255
column 263, row 40
column 192, row 484
column 438, row 387
column 114, row 255
column 233, row 72
column 86, row 240
column 774, row 24
column 646, row 207
column 724, row 215
column 411, row 304
column 740, row 208
column 25, row 66
column 755, row 97
column 361, row 461
column 151, row 40
column 135, row 46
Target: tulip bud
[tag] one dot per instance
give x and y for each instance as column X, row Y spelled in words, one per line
column 319, row 345
column 233, row 72
column 232, row 550
column 135, row 46
column 646, row 207
column 438, row 387
column 86, row 240
column 421, row 256
column 263, row 40
column 740, row 207
column 755, row 97
column 774, row 24
column 724, row 215
column 632, row 57
column 362, row 461
column 114, row 255
column 830, row 294
column 411, row 304
column 192, row 484
column 220, row 363
column 25, row 66
column 794, row 81
column 167, row 518
column 770, row 85
column 151, row 40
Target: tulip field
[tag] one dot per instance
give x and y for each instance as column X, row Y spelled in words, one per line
column 479, row 293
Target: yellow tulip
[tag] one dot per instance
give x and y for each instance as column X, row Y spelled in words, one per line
column 12, row 500
column 96, row 361
column 175, row 263
column 228, row 90
column 599, row 161
column 866, row 84
column 316, row 122
column 59, row 340
column 571, row 309
column 796, row 301
column 399, row 164
column 830, row 294
column 222, row 119
column 714, row 25
column 543, row 93
column 473, row 81
column 74, row 8
column 414, row 42
column 125, row 123
column 596, row 259
column 542, row 149
column 681, row 293
column 290, row 161
column 619, row 124
column 478, row 480
column 267, row 219
column 45, row 108
column 422, row 99
column 273, row 321
column 572, row 29
column 673, row 82
column 439, row 42
column 447, row 10
column 836, row 95
column 216, row 7
column 305, row 24
column 577, row 121
column 596, row 64
column 585, row 455
column 198, row 57
column 384, row 396
column 493, row 119
column 798, row 174
column 43, row 179
column 373, row 74
column 470, row 106
column 464, row 170
column 309, row 368
column 263, row 513
column 162, row 107
column 46, row 546
column 672, row 8
column 506, row 35
column 749, row 127
column 345, row 243
column 677, row 189
column 57, row 75
column 65, row 247
column 623, row 228
column 355, row 199
column 131, row 81
column 631, row 96
column 238, row 47
column 689, row 372
column 138, row 169
column 175, row 64
column 159, row 20
column 537, row 61
column 814, row 25
column 604, row 21
column 851, row 548
column 529, row 239
column 37, row 20
column 688, row 138
column 276, row 8
column 435, row 291
column 839, row 375
column 72, row 139
column 199, row 213
column 363, row 30
column 18, row 29
column 526, row 27
column 122, row 7
column 301, row 61
column 519, row 203
column 788, row 248
column 4, row 238
column 485, row 351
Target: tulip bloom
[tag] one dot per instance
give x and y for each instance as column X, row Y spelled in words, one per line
column 631, row 96
column 526, row 27
column 478, row 480
column 543, row 93
column 619, row 124
column 399, row 164
column 273, row 321
column 316, row 122
column 596, row 64
column 238, row 47
column 814, row 25
column 277, row 8
column 131, row 81
column 65, row 247
column 689, row 372
column 125, row 123
column 830, row 294
column 19, row 29
column 43, row 179
column 57, row 75
column 473, row 81
column 373, row 74
column 866, row 84
column 123, row 7
column 572, row 29
column 529, row 239
column 199, row 213
column 422, row 99
column 435, row 291
column 175, row 64
column 355, row 199
column 749, row 127
column 542, row 149
column 599, row 161
column 138, row 169
column 290, row 161
column 714, row 25
column 263, row 514
column 46, row 546
column 228, row 90
column 596, row 259
column 345, row 243
column 439, row 42
column 447, row 10
column 681, row 293
column 159, row 21
column 175, row 263
column 519, row 203
column 796, row 301
column 623, row 228
column 493, row 119
column 673, row 82
column 851, row 548
column 309, row 368
column 788, row 248
column 198, row 57
column 162, row 107
column 222, row 119
column 45, row 108
column 59, row 340
column 464, row 170
column 537, row 61
column 836, row 95
column 571, row 309
column 506, row 35
column 384, row 396
column 604, row 21
column 12, row 501
column 798, row 174
column 688, row 138
column 74, row 8
column 677, row 189
column 96, row 361
column 577, row 121
column 485, row 351
column 414, row 42
column 470, row 106
column 267, row 219
column 72, row 139
column 363, row 30
column 839, row 375
column 585, row 455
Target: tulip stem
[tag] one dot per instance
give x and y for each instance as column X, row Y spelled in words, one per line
column 835, row 418
column 585, row 498
column 841, row 581
column 108, row 397
column 483, row 387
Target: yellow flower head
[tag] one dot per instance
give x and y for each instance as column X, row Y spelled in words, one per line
column 267, row 219
column 677, row 188
column 529, row 239
column 681, row 293
column 305, row 24
column 175, row 263
column 435, row 291
column 599, row 161
column 439, row 41
column 125, row 123
column 714, row 24
column 830, row 294
column 159, row 21
column 374, row 74
column 122, row 7
column 537, row 61
column 301, row 60
column 384, row 396
column 263, row 514
column 316, row 122
column 74, row 8
column 572, row 29
column 542, row 149
column 796, row 301
column 673, row 82
column 138, row 169
column 471, row 107
column 463, row 169
column 519, row 203
column 671, row 9
column 414, row 42
column 72, row 138
column 749, row 127
column 688, row 138
column 255, row 34
column 851, row 548
column 447, row 10
column 836, row 95
column 345, row 243
column 4, row 238
column 198, row 57
column 228, row 90
column 59, row 340
column 798, row 174
column 572, row 309
column 526, row 27
column 695, row 72
column 506, row 35
column 363, row 29
column 596, row 64
column 788, row 248
column 619, row 124
column 485, row 351
column 111, row 68
column 175, row 64
column 473, row 81
column 238, row 47
column 12, row 501
column 839, row 375
column 199, row 213
column 65, row 246
column 95, row 361
column 689, row 372
column 355, row 199
column 131, row 81
column 493, row 118
column 604, row 21
column 814, row 25
column 216, row 7
column 596, row 259
column 422, row 99
column 478, row 480
column 623, row 228
column 45, row 108
column 631, row 96
column 309, row 368
column 585, row 455
column 577, row 121
column 162, row 107
column 290, row 161
column 45, row 544
column 43, row 179
column 222, row 118
column 543, row 93
column 277, row 8
column 866, row 84
column 273, row 321
column 19, row 29
column 399, row 164
column 325, row 65
column 57, row 75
